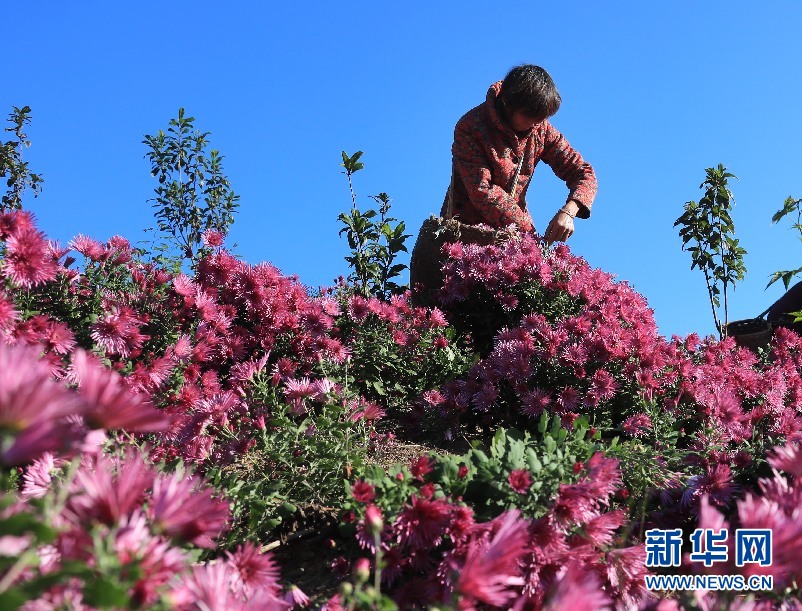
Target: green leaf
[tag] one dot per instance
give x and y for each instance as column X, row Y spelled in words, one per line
column 22, row 523
column 13, row 598
column 105, row 592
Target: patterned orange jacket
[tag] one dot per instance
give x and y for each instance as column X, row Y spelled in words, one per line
column 486, row 154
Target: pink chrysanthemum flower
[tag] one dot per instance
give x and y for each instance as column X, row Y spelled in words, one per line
column 295, row 597
column 520, row 480
column 158, row 371
column 637, row 425
column 27, row 260
column 578, row 589
column 330, row 306
column 15, row 220
column 199, row 448
column 709, row 516
column 185, row 511
column 213, row 238
column 787, row 458
column 362, row 491
column 206, row 306
column 437, row 318
column 184, row 285
column 575, row 504
column 786, row 534
column 109, row 404
column 603, row 385
column 535, row 402
column 27, row 392
column 567, row 399
column 109, row 490
column 253, row 570
column 117, row 332
column 323, row 388
column 118, row 242
column 299, row 389
column 462, row 523
column 68, row 595
column 56, row 250
column 88, row 247
column 574, row 353
column 219, row 404
column 422, row 524
column 367, row 411
column 433, row 397
column 8, row 313
column 491, row 570
column 421, row 466
column 37, row 478
column 244, row 372
column 358, row 308
column 32, row 406
column 156, row 559
column 600, row 530
column 626, row 568
column 717, row 483
column 31, row 442
column 13, row 545
column 400, row 338
column 60, row 338
column 283, row 369
column 604, row 476
column 182, row 349
column 207, row 587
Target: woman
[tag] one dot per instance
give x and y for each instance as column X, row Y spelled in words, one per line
column 496, row 148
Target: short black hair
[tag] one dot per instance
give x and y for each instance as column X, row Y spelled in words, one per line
column 531, row 91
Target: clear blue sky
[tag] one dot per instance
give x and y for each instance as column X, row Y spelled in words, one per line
column 653, row 93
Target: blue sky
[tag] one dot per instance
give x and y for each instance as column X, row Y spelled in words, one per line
column 653, row 93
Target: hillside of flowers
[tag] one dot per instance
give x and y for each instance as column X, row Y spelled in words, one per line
column 165, row 435
column 183, row 429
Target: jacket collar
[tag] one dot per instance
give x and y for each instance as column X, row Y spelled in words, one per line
column 490, row 107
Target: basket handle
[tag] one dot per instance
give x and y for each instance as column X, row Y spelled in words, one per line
column 768, row 309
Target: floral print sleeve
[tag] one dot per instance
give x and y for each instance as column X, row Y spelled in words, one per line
column 568, row 165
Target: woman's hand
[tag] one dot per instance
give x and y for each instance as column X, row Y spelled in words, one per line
column 561, row 226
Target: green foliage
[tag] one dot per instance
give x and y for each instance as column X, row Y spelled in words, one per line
column 791, row 205
column 81, row 303
column 297, row 460
column 12, row 167
column 551, row 454
column 654, row 459
column 382, row 370
column 193, row 195
column 374, row 244
column 707, row 232
column 361, row 595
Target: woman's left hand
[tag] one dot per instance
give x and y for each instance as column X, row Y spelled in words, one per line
column 560, row 228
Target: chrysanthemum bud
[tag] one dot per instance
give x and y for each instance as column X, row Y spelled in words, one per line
column 362, row 570
column 373, row 519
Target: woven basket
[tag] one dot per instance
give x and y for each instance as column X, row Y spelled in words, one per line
column 752, row 333
column 426, row 263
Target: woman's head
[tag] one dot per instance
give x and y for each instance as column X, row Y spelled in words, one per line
column 529, row 91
